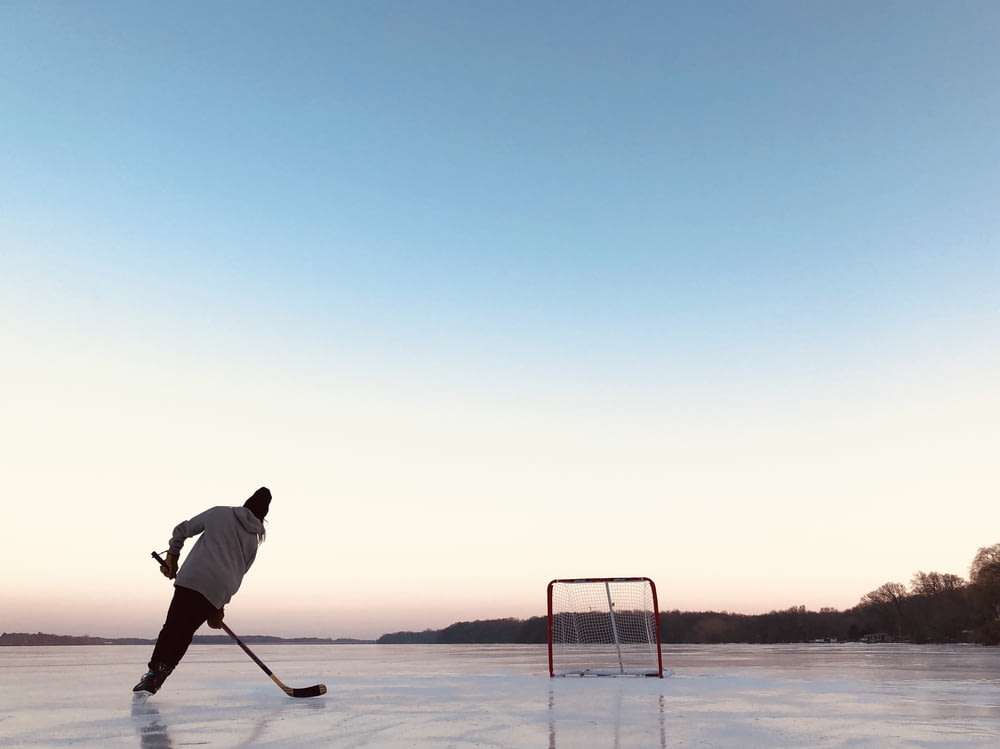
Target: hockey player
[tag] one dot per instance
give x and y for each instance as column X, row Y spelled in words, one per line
column 207, row 581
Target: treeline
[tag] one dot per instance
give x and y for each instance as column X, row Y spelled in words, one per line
column 934, row 619
column 494, row 631
column 685, row 627
column 934, row 608
column 939, row 607
column 272, row 640
column 41, row 638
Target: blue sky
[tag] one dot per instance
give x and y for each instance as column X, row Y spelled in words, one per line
column 490, row 294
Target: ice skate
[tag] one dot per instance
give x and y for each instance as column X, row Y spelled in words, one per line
column 151, row 682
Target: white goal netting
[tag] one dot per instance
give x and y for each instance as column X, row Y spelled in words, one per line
column 604, row 627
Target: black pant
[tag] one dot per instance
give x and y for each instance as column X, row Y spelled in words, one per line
column 188, row 610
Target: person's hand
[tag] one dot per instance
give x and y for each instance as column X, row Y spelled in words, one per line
column 215, row 618
column 169, row 570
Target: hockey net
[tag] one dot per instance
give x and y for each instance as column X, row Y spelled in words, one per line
column 604, row 627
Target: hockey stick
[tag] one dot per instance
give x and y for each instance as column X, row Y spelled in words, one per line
column 314, row 691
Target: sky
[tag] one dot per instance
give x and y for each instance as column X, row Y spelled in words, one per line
column 489, row 294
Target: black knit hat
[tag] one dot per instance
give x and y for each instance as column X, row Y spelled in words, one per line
column 259, row 502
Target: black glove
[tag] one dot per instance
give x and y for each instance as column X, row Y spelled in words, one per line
column 215, row 618
column 169, row 570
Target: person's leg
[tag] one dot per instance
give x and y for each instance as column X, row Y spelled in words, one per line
column 188, row 610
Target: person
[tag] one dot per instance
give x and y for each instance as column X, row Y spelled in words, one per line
column 207, row 581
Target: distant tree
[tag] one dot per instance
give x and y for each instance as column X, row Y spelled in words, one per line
column 887, row 594
column 933, row 583
column 534, row 629
column 939, row 608
column 714, row 629
column 985, row 566
column 408, row 638
column 888, row 599
column 984, row 578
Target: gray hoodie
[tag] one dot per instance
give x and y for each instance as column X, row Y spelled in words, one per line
column 225, row 551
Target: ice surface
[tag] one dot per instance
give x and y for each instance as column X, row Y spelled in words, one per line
column 395, row 696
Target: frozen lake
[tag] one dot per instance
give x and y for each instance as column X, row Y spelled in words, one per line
column 395, row 696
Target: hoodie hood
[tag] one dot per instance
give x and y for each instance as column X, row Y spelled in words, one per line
column 248, row 520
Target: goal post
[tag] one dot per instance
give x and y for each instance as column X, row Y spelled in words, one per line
column 604, row 626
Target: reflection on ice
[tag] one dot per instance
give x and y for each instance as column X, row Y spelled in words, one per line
column 395, row 696
column 608, row 724
column 152, row 733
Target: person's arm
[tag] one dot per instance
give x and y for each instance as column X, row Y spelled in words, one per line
column 182, row 531
column 185, row 530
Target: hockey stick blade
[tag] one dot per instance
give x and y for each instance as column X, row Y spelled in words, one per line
column 314, row 691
